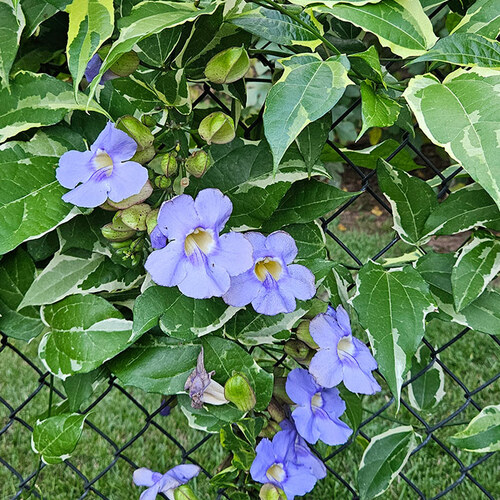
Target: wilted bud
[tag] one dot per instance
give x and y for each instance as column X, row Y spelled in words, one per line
column 228, row 66
column 197, row 164
column 298, row 350
column 112, row 234
column 270, row 491
column 152, row 220
column 239, row 391
column 279, row 391
column 138, row 131
column 135, row 217
column 168, row 164
column 276, row 411
column 125, row 65
column 162, row 182
column 304, row 335
column 184, row 492
column 270, row 429
column 143, row 194
column 217, row 128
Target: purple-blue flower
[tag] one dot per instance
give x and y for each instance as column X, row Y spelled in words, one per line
column 158, row 239
column 341, row 357
column 93, row 68
column 272, row 284
column 164, row 483
column 196, row 258
column 275, row 463
column 318, row 409
column 102, row 172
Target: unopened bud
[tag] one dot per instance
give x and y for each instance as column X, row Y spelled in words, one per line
column 118, row 224
column 276, row 411
column 279, row 391
column 108, row 207
column 162, row 182
column 148, row 120
column 112, row 234
column 143, row 194
column 135, row 217
column 217, row 128
column 228, row 66
column 120, row 244
column 304, row 334
column 137, row 130
column 152, row 220
column 125, row 65
column 144, row 156
column 239, row 391
column 197, row 164
column 184, row 492
column 270, row 491
column 270, row 429
column 298, row 350
column 168, row 164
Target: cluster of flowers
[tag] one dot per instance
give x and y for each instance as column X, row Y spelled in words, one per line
column 340, row 358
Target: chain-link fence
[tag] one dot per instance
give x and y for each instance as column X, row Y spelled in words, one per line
column 429, row 474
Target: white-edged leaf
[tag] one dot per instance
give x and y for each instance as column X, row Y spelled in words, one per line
column 36, row 12
column 12, row 24
column 392, row 306
column 483, row 18
column 384, row 459
column 468, row 131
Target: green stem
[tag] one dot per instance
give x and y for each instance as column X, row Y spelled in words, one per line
column 306, row 26
column 269, row 52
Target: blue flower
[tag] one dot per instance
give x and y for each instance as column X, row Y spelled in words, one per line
column 341, row 357
column 196, row 258
column 158, row 239
column 164, row 483
column 272, row 284
column 103, row 171
column 275, row 463
column 318, row 409
column 93, row 68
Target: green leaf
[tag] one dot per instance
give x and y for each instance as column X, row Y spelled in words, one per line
column 38, row 100
column 392, row 306
column 482, row 18
column 36, row 12
column 377, row 108
column 469, row 207
column 157, row 364
column 91, row 22
column 279, row 28
column 482, row 315
column 464, row 49
column 412, row 201
column 478, row 263
column 306, row 201
column 17, row 272
column 312, row 139
column 79, row 387
column 179, row 316
column 148, row 18
column 400, row 25
column 367, row 65
column 384, row 459
column 156, row 48
column 242, row 449
column 293, row 101
column 55, row 438
column 13, row 23
column 482, row 435
column 353, row 407
column 468, row 129
column 427, row 390
column 84, row 332
column 310, row 240
column 329, row 3
column 172, row 88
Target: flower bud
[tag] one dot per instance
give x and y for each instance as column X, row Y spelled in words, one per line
column 152, row 220
column 279, row 390
column 148, row 120
column 239, row 391
column 228, row 66
column 184, row 492
column 270, row 429
column 135, row 217
column 297, row 350
column 143, row 194
column 197, row 164
column 304, row 335
column 120, row 244
column 125, row 65
column 162, row 182
column 270, row 491
column 276, row 411
column 112, row 234
column 168, row 164
column 144, row 156
column 138, row 131
column 217, row 128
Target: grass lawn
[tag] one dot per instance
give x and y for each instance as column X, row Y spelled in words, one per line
column 474, row 359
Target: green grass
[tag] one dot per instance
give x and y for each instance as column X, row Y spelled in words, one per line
column 475, row 358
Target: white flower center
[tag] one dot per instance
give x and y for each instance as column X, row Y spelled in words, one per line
column 103, row 161
column 317, row 400
column 276, row 472
column 268, row 266
column 199, row 238
column 345, row 347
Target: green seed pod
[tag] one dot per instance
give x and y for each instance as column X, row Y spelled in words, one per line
column 162, row 182
column 125, row 65
column 197, row 164
column 228, row 66
column 120, row 244
column 184, row 492
column 152, row 220
column 112, row 234
column 143, row 194
column 135, row 217
column 169, row 164
column 304, row 335
column 270, row 491
column 144, row 156
column 298, row 350
column 217, row 128
column 137, row 130
column 239, row 391
column 148, row 120
column 117, row 224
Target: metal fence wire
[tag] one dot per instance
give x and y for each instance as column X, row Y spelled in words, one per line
column 37, row 380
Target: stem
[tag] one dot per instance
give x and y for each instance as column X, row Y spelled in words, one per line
column 306, row 26
column 269, row 52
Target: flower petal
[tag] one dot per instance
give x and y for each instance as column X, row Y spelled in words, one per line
column 300, row 480
column 307, row 458
column 150, row 493
column 167, row 266
column 282, row 245
column 300, row 282
column 91, row 193
column 93, row 67
column 331, row 431
column 326, row 368
column 74, row 167
column 325, row 332
column 301, row 387
column 357, row 380
column 263, row 460
column 145, row 477
column 213, row 208
column 126, row 180
column 304, row 419
column 234, row 254
column 203, row 281
column 158, row 239
column 363, row 356
column 271, row 300
column 343, row 319
column 333, row 404
column 177, row 217
column 183, row 473
column 117, row 144
column 243, row 289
